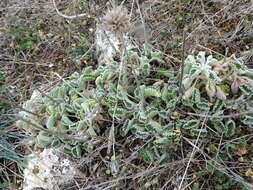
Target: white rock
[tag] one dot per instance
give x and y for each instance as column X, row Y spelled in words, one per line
column 47, row 170
column 108, row 44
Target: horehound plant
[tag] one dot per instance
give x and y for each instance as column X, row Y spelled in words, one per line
column 138, row 94
column 216, row 87
column 144, row 102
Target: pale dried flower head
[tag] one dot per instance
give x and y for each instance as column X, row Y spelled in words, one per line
column 117, row 20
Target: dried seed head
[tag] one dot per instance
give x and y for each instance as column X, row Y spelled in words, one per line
column 235, row 85
column 117, row 20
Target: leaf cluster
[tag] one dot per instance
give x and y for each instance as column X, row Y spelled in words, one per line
column 24, row 38
column 140, row 96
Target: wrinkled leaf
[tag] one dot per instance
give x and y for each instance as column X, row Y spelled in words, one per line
column 191, row 124
column 196, row 95
column 219, row 126
column 43, row 139
column 66, row 121
column 161, row 141
column 247, row 120
column 147, row 155
column 218, row 106
column 203, row 104
column 67, row 149
column 56, row 143
column 150, row 91
column 126, row 127
column 246, row 89
column 50, row 124
column 199, row 132
column 76, row 151
column 154, row 126
column 230, row 125
column 146, row 68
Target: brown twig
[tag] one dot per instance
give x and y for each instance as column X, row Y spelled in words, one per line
column 182, row 65
column 143, row 23
column 19, row 107
column 6, row 130
column 66, row 16
column 53, row 100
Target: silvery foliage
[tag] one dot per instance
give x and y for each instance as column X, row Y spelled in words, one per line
column 217, row 86
column 142, row 98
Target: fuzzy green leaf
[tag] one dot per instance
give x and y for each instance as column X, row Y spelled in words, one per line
column 91, row 131
column 247, row 120
column 156, row 56
column 146, row 68
column 99, row 82
column 126, row 127
column 214, row 77
column 201, row 57
column 203, row 104
column 109, row 101
column 187, row 102
column 220, row 94
column 128, row 103
column 66, row 121
column 230, row 125
column 246, row 89
column 147, row 155
column 147, row 49
column 187, row 82
column 196, row 96
column 117, row 112
column 188, row 93
column 169, row 134
column 67, row 149
column 51, row 122
column 43, row 140
column 164, row 114
column 199, row 132
column 161, row 141
column 76, row 151
column 151, row 112
column 169, row 93
column 50, row 109
column 219, row 126
column 189, row 62
column 88, row 70
column 217, row 106
column 56, row 143
column 139, row 132
column 150, row 91
column 154, row 126
column 191, row 124
column 164, row 72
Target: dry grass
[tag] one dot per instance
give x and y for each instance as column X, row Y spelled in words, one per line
column 218, row 27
